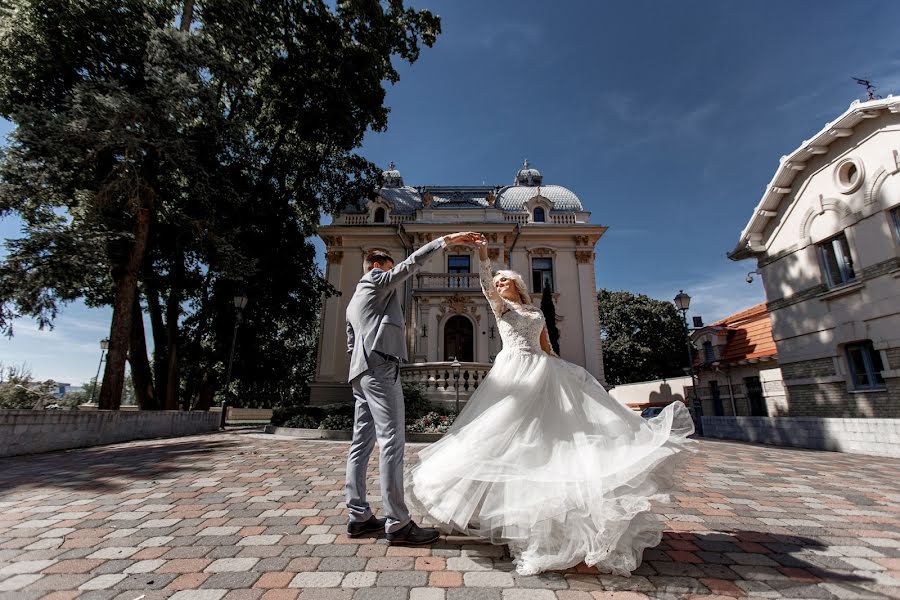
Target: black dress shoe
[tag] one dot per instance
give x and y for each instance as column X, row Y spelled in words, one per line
column 361, row 528
column 412, row 535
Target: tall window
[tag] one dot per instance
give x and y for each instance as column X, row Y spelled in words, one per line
column 895, row 217
column 539, row 216
column 541, row 274
column 836, row 260
column 709, row 354
column 379, row 215
column 865, row 365
column 458, row 263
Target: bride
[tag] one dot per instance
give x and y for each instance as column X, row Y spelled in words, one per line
column 543, row 459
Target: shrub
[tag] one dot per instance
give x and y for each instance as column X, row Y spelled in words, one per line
column 416, row 402
column 340, row 422
column 432, row 422
column 301, row 422
column 282, row 415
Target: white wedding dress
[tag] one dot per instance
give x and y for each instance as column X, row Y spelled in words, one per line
column 543, row 459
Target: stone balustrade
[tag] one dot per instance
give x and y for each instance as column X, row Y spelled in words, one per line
column 437, row 379
column 447, row 281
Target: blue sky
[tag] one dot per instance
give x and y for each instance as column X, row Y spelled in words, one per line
column 666, row 118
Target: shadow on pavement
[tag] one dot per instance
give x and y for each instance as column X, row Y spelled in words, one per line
column 109, row 469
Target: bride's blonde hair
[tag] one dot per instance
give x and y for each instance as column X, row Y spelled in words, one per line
column 517, row 279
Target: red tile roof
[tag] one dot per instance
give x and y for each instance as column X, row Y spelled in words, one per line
column 749, row 334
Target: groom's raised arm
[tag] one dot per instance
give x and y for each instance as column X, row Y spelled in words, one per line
column 403, row 270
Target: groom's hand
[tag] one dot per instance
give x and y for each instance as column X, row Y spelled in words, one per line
column 464, row 237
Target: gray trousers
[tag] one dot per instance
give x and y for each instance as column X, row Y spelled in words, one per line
column 381, row 416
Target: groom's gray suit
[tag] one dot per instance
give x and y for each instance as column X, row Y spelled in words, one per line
column 376, row 341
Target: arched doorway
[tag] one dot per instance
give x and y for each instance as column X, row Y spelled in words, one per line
column 459, row 339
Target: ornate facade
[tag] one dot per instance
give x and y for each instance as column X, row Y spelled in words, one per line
column 541, row 231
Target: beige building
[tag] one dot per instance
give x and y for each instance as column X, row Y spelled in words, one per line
column 737, row 366
column 826, row 240
column 541, row 231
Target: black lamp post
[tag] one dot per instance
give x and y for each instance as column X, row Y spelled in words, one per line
column 683, row 303
column 240, row 302
column 104, row 346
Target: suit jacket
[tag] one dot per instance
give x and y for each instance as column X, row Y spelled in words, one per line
column 375, row 321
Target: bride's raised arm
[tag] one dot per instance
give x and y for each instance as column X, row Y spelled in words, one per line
column 487, row 281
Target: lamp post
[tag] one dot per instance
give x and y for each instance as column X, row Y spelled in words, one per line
column 240, row 302
column 683, row 303
column 104, row 346
column 455, row 365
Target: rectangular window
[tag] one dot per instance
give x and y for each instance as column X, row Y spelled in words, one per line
column 541, row 274
column 836, row 261
column 895, row 217
column 458, row 263
column 709, row 354
column 865, row 365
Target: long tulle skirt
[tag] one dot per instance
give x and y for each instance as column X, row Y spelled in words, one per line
column 545, row 460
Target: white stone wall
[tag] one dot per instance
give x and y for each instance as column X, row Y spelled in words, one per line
column 875, row 437
column 37, row 431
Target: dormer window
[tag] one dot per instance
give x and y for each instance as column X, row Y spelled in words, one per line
column 379, row 215
column 539, row 215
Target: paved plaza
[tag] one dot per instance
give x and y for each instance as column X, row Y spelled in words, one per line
column 242, row 515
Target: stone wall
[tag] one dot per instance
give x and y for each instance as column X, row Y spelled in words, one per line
column 875, row 437
column 36, row 431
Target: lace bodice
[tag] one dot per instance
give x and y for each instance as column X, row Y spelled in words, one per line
column 520, row 325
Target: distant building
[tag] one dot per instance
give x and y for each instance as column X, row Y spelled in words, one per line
column 826, row 240
column 541, row 231
column 737, row 366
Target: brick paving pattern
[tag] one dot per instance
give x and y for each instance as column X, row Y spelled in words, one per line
column 241, row 515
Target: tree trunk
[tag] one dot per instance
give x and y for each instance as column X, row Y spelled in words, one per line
column 160, row 344
column 173, row 311
column 187, row 15
column 123, row 308
column 141, row 375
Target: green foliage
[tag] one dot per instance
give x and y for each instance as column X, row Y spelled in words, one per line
column 302, row 422
column 416, row 401
column 432, row 422
column 643, row 338
column 549, row 310
column 234, row 134
column 337, row 422
column 18, row 390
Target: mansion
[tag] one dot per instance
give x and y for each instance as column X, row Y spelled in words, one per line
column 541, row 231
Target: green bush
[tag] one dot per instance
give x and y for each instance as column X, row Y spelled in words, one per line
column 282, row 415
column 340, row 422
column 416, row 401
column 301, row 422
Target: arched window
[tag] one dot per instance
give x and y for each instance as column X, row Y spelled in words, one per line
column 539, row 216
column 459, row 339
column 379, row 215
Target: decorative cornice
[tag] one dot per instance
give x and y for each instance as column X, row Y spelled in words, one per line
column 584, row 256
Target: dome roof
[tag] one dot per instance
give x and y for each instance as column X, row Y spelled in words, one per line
column 391, row 177
column 528, row 176
column 515, row 196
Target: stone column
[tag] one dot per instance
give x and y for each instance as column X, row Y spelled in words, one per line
column 587, row 290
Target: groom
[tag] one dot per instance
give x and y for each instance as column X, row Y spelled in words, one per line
column 376, row 341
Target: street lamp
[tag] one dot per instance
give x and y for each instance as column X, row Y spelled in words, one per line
column 104, row 346
column 455, row 365
column 240, row 302
column 683, row 303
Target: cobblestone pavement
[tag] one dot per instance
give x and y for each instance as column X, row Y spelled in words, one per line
column 242, row 515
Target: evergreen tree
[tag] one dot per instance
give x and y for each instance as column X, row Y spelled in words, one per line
column 549, row 310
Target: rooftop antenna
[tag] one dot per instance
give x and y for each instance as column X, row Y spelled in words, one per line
column 870, row 89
